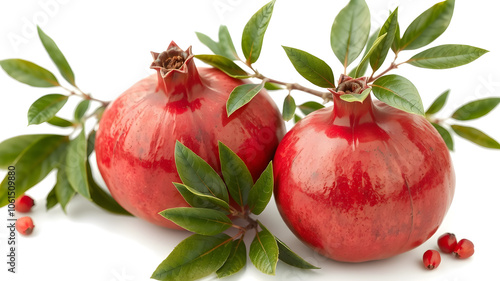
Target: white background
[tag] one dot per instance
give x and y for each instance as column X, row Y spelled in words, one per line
column 107, row 44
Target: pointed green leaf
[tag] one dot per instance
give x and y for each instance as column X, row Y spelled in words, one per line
column 309, row 107
column 81, row 109
column 198, row 220
column 445, row 134
column 475, row 136
column 261, row 192
column 446, row 56
column 51, row 200
column 380, row 53
column 29, row 73
column 198, row 174
column 224, row 64
column 272, row 86
column 350, row 31
column 224, row 47
column 76, row 169
column 198, row 199
column 287, row 256
column 356, row 97
column 289, row 108
column 63, row 190
column 242, row 95
column 45, row 108
column 60, row 122
column 296, row 118
column 91, row 142
column 397, row 39
column 236, row 175
column 11, row 149
column 398, row 92
column 264, row 251
column 210, row 43
column 194, row 258
column 438, row 104
column 311, row 68
column 366, row 58
column 475, row 109
column 236, row 261
column 57, row 57
column 253, row 33
column 364, row 67
column 34, row 164
column 101, row 198
column 428, row 26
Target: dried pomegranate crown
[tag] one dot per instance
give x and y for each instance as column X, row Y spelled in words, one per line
column 348, row 85
column 173, row 58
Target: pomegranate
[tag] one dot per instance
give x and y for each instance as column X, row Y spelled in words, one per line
column 137, row 133
column 362, row 181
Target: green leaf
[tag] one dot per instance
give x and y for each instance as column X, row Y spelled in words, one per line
column 101, row 198
column 296, row 118
column 428, row 26
column 311, row 68
column 76, row 168
column 310, row 106
column 200, row 200
column 51, row 200
column 366, row 58
column 194, row 258
column 236, row 261
column 350, row 31
column 446, row 56
column 356, row 97
column 475, row 136
column 289, row 108
column 60, row 122
column 398, row 92
column 57, row 57
column 380, row 53
column 224, row 47
column 198, row 220
column 364, row 67
column 242, row 95
column 91, row 142
column 475, row 109
column 253, row 33
column 287, row 256
column 29, row 73
column 272, row 86
column 45, row 108
column 236, row 175
column 262, row 190
column 63, row 190
column 224, row 64
column 13, row 148
column 81, row 109
column 264, row 251
column 197, row 174
column 34, row 164
column 445, row 134
column 438, row 104
column 397, row 40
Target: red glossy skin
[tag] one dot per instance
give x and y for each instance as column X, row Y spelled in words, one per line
column 431, row 259
column 137, row 134
column 363, row 181
column 447, row 242
column 464, row 249
column 24, row 204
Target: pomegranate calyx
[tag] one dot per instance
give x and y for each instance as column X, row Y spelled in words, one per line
column 348, row 85
column 174, row 58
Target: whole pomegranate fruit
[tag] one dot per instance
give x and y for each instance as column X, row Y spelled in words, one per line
column 137, row 133
column 362, row 181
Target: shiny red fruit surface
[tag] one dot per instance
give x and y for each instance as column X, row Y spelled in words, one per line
column 363, row 181
column 137, row 134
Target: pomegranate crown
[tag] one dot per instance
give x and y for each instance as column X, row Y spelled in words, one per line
column 174, row 58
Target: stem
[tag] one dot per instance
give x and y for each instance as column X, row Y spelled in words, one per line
column 83, row 95
column 295, row 86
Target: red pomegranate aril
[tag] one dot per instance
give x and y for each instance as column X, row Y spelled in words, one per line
column 137, row 134
column 24, row 204
column 464, row 249
column 25, row 225
column 447, row 242
column 431, row 259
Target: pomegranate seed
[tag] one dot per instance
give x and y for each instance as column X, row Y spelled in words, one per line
column 25, row 225
column 431, row 259
column 464, row 249
column 24, row 204
column 447, row 242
